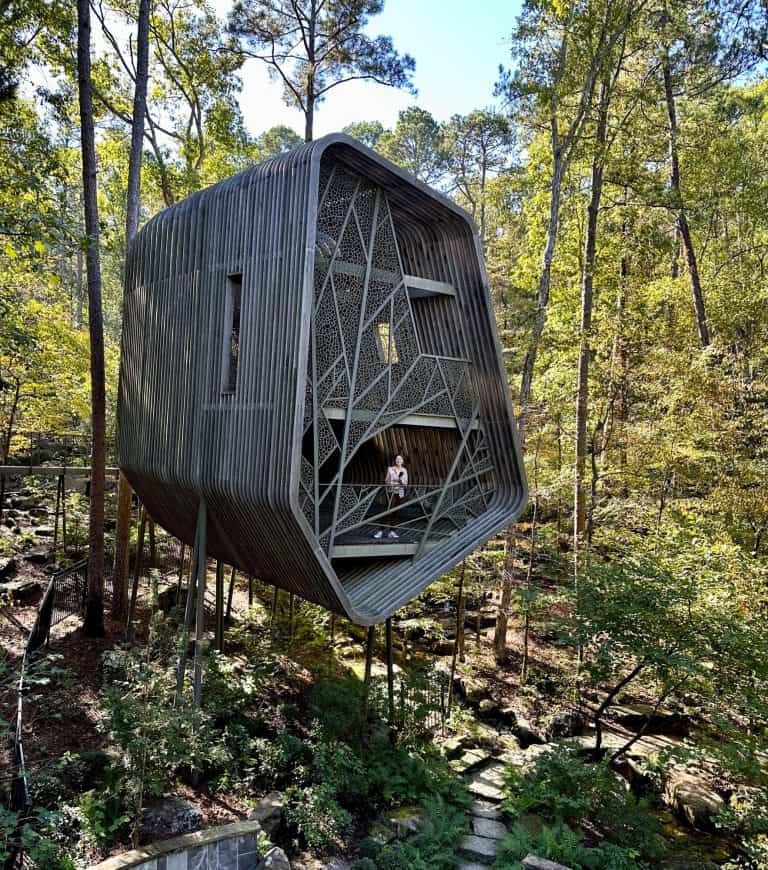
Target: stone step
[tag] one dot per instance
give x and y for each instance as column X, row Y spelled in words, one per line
column 489, row 828
column 470, row 760
column 486, row 810
column 480, row 849
column 487, row 783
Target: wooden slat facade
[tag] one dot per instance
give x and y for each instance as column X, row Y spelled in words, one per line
column 231, row 318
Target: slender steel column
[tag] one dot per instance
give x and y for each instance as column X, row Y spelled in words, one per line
column 202, row 535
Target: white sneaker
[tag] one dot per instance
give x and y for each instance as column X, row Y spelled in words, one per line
column 378, row 534
column 393, row 534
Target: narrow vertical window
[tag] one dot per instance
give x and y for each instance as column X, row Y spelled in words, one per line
column 387, row 348
column 231, row 348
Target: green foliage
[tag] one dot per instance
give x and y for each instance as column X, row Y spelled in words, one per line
column 315, row 813
column 572, row 793
column 562, row 844
column 103, row 810
column 433, row 847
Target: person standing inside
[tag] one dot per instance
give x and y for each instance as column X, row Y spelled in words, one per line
column 395, row 483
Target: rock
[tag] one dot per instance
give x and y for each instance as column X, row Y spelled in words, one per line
column 471, row 759
column 170, row 817
column 166, row 598
column 564, row 723
column 44, row 531
column 489, row 828
column 488, row 708
column 38, row 511
column 405, row 821
column 113, row 666
column 473, row 691
column 9, row 522
column 275, row 859
column 37, row 556
column 480, row 849
column 485, row 810
column 487, row 783
column 508, row 716
column 381, row 833
column 690, row 795
column 484, row 737
column 454, row 746
column 337, row 864
column 8, row 569
column 21, row 591
column 636, row 716
column 269, row 813
column 532, row 862
column 472, row 865
column 526, row 733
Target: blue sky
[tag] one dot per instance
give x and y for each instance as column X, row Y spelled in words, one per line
column 457, row 45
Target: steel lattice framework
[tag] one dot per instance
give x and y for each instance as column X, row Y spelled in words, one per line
column 285, row 333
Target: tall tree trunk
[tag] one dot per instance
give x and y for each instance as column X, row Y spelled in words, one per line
column 682, row 218
column 309, row 111
column 137, row 125
column 543, row 293
column 94, row 603
column 502, row 618
column 123, row 531
column 585, row 340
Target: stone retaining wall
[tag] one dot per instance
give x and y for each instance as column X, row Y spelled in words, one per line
column 229, row 847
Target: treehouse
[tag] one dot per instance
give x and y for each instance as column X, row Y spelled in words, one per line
column 286, row 333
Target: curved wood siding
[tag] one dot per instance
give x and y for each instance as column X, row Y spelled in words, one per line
column 183, row 436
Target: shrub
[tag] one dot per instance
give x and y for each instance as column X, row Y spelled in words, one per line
column 566, row 846
column 316, row 815
column 433, row 848
column 569, row 792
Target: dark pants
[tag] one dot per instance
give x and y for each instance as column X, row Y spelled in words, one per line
column 393, row 518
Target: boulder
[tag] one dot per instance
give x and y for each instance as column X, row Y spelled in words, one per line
column 488, row 708
column 37, row 556
column 113, row 666
column 8, row 569
column 691, row 796
column 526, row 733
column 268, row 812
column 405, row 821
column 533, row 862
column 44, row 531
column 470, row 760
column 454, row 746
column 170, row 817
column 275, row 859
column 471, row 690
column 637, row 716
column 564, row 723
column 484, row 737
column 21, row 591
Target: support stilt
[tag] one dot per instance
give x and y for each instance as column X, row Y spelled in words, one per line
column 459, row 630
column 219, row 640
column 182, row 554
column 152, row 544
column 250, row 590
column 390, row 674
column 188, row 609
column 202, row 533
column 368, row 664
column 228, row 617
column 272, row 615
column 136, row 574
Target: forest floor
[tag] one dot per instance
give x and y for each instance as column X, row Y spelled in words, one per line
column 63, row 713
